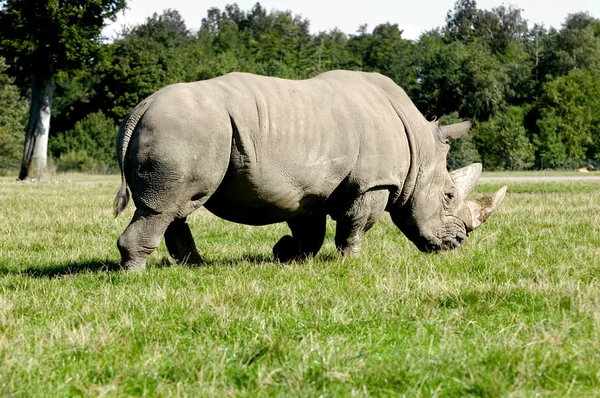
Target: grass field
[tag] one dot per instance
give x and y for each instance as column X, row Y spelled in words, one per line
column 515, row 312
column 540, row 173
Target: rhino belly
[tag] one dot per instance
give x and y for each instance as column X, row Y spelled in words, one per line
column 261, row 200
column 267, row 190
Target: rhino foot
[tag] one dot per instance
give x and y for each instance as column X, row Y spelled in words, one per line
column 307, row 237
column 287, row 249
column 349, row 250
column 180, row 243
column 354, row 223
column 134, row 266
column 141, row 237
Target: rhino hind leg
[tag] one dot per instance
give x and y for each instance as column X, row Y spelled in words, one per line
column 308, row 233
column 180, row 243
column 362, row 214
column 141, row 237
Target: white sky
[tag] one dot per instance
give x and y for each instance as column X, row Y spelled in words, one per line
column 413, row 16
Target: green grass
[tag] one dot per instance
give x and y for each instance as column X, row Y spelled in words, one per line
column 539, row 173
column 515, row 312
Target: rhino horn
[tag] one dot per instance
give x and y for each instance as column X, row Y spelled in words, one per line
column 480, row 209
column 454, row 131
column 466, row 178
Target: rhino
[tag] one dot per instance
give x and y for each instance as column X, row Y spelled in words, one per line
column 259, row 150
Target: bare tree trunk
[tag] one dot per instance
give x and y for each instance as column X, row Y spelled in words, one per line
column 35, row 151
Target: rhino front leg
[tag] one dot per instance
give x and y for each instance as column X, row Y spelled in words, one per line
column 141, row 237
column 358, row 219
column 308, row 233
column 180, row 243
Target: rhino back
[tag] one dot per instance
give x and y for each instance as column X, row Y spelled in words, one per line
column 275, row 148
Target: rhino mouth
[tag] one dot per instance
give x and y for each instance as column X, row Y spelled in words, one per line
column 443, row 244
column 449, row 237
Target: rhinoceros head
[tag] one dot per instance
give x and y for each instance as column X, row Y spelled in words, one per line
column 438, row 216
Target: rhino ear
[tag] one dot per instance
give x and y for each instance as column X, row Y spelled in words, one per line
column 454, row 131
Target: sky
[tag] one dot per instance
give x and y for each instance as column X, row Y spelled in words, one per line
column 413, row 17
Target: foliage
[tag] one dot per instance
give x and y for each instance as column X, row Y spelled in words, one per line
column 11, row 146
column 502, row 141
column 13, row 112
column 79, row 161
column 575, row 46
column 46, row 36
column 89, row 146
column 437, row 74
column 483, row 82
column 569, row 118
column 151, row 56
column 386, row 52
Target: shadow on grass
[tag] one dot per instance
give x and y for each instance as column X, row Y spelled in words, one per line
column 261, row 258
column 246, row 258
column 85, row 266
column 71, row 268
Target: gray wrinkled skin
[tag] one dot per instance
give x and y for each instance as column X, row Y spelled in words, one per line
column 259, row 150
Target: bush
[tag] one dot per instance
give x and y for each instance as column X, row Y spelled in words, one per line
column 569, row 122
column 502, row 141
column 80, row 161
column 13, row 115
column 11, row 149
column 88, row 147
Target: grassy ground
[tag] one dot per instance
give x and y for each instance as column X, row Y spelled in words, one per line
column 515, row 312
column 540, row 173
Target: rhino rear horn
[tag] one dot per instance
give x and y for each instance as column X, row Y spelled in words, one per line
column 466, row 178
column 480, row 209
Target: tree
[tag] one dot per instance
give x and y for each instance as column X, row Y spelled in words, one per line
column 569, row 118
column 579, row 43
column 439, row 75
column 332, row 51
column 575, row 46
column 13, row 111
column 500, row 27
column 283, row 43
column 150, row 56
column 459, row 24
column 484, row 82
column 502, row 141
column 91, row 142
column 42, row 38
column 359, row 46
column 536, row 41
column 390, row 54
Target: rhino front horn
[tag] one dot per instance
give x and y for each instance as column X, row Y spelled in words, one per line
column 480, row 209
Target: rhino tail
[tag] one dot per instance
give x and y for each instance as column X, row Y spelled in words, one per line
column 125, row 133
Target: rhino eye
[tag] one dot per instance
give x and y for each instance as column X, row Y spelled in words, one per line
column 449, row 197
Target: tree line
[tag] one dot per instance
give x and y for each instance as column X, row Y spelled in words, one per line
column 533, row 92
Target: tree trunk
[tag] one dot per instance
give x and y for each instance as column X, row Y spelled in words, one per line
column 35, row 151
